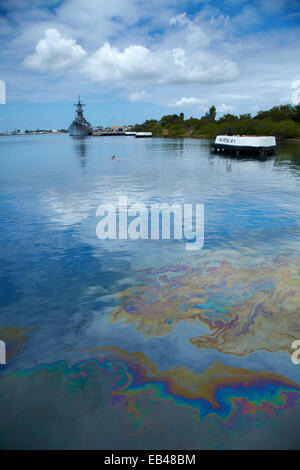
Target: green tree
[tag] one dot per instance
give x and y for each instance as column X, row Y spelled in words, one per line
column 296, row 113
column 169, row 119
column 245, row 116
column 212, row 114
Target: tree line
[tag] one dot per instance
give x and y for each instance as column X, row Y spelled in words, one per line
column 281, row 121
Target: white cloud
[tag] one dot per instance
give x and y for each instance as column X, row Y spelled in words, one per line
column 191, row 101
column 193, row 33
column 55, row 52
column 135, row 63
column 127, row 46
column 139, row 63
column 224, row 108
column 207, row 71
column 179, row 57
column 179, row 19
column 138, row 95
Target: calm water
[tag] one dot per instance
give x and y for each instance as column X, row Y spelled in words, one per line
column 141, row 344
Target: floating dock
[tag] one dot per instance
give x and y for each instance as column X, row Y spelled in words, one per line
column 108, row 133
column 143, row 134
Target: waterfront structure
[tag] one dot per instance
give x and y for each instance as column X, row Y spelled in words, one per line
column 108, row 132
column 118, row 128
column 143, row 134
column 251, row 144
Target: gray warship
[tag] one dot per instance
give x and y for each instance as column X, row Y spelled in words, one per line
column 80, row 127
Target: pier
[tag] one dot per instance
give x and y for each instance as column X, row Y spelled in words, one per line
column 112, row 133
column 108, row 133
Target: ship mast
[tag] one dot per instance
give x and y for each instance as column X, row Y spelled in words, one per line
column 79, row 109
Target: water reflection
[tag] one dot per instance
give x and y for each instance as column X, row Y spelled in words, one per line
column 170, row 146
column 229, row 156
column 80, row 150
column 289, row 156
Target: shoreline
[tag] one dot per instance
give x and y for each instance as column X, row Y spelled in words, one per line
column 297, row 140
column 180, row 136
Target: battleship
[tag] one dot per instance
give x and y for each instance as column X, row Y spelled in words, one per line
column 80, row 127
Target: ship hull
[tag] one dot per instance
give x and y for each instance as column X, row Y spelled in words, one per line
column 244, row 148
column 80, row 130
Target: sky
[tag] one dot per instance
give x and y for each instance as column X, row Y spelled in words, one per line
column 132, row 60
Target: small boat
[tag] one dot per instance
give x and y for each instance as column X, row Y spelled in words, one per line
column 263, row 145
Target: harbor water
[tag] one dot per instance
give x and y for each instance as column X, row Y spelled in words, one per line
column 142, row 344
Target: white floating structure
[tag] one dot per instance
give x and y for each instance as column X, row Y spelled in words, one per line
column 264, row 145
column 143, row 134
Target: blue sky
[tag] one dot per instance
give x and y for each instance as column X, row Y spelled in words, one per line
column 133, row 60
